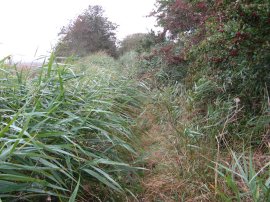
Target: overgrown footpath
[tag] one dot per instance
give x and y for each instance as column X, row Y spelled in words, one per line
column 200, row 143
column 208, row 71
column 104, row 130
column 182, row 165
column 161, row 180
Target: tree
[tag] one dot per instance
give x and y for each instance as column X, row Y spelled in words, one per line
column 89, row 32
column 131, row 42
column 180, row 16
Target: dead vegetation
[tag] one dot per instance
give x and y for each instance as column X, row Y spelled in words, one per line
column 161, row 181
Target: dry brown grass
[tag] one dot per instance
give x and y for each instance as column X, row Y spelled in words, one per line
column 161, row 182
column 175, row 173
column 179, row 167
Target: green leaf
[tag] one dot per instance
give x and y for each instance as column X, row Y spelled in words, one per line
column 7, row 186
column 105, row 180
column 74, row 194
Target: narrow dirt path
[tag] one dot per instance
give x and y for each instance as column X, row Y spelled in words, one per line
column 161, row 181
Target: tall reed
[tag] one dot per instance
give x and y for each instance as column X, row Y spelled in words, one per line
column 65, row 130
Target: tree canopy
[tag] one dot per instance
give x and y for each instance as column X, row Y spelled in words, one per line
column 90, row 32
column 132, row 42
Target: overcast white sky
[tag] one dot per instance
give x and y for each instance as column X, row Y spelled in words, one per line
column 30, row 25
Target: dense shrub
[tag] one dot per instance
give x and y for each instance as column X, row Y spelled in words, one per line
column 225, row 43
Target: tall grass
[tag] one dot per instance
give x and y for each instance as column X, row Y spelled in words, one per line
column 65, row 131
column 243, row 180
column 211, row 131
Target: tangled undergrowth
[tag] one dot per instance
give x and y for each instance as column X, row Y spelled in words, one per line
column 209, row 74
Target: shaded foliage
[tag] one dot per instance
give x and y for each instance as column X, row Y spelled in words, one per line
column 224, row 41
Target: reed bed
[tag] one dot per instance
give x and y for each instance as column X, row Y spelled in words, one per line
column 65, row 130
